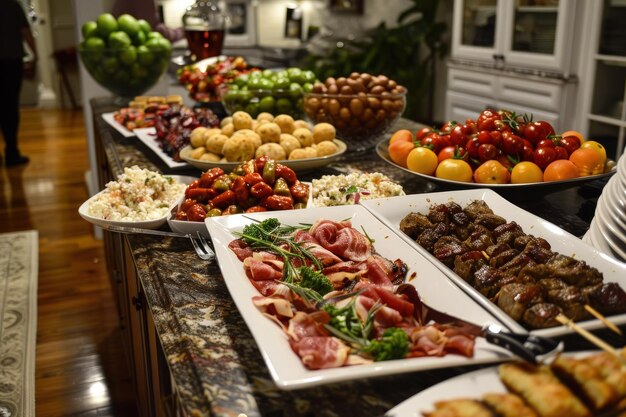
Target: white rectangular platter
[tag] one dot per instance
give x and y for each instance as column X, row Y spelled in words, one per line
column 392, row 210
column 146, row 135
column 108, row 117
column 284, row 365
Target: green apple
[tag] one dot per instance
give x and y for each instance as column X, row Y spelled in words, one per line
column 119, row 40
column 144, row 55
column 128, row 24
column 144, row 26
column 107, row 24
column 128, row 55
column 89, row 29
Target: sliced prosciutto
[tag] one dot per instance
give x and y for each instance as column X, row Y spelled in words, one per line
column 342, row 239
column 358, row 316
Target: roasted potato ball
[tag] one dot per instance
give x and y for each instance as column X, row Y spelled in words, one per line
column 210, row 132
column 225, row 121
column 228, row 129
column 251, row 135
column 215, row 143
column 289, row 142
column 242, row 120
column 265, row 116
column 285, row 122
column 300, row 123
column 326, row 148
column 303, row 153
column 238, row 149
column 196, row 137
column 269, row 132
column 323, row 131
column 271, row 149
column 210, row 157
column 304, row 136
column 197, row 152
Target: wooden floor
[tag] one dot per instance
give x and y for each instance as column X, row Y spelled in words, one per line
column 80, row 368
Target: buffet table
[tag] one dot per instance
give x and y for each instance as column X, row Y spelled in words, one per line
column 189, row 349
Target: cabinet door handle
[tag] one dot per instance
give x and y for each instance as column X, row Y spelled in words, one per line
column 137, row 303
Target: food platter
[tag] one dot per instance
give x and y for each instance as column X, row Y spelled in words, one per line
column 469, row 385
column 83, row 211
column 188, row 227
column 547, row 186
column 298, row 165
column 146, row 136
column 284, row 365
column 392, row 210
column 108, row 117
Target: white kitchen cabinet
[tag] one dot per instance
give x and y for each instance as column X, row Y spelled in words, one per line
column 524, row 33
column 514, row 54
column 602, row 115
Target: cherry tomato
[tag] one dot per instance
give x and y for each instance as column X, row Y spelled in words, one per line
column 543, row 156
column 422, row 160
column 496, row 138
column 484, row 136
column 487, row 151
column 448, row 126
column 470, row 127
column 402, row 135
column 511, row 144
column 472, row 146
column 455, row 170
column 399, row 150
column 452, row 152
column 435, row 141
column 588, row 161
column 487, row 119
column 561, row 169
column 547, row 128
column 574, row 133
column 527, row 151
column 458, row 136
column 545, row 143
column 561, row 152
column 526, row 172
column 492, row 172
column 534, row 132
column 596, row 146
column 570, row 143
column 421, row 134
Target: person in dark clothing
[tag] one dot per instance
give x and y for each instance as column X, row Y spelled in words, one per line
column 14, row 30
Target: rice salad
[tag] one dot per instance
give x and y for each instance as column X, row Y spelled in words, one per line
column 338, row 190
column 137, row 195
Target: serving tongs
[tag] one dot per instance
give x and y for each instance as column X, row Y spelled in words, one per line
column 531, row 348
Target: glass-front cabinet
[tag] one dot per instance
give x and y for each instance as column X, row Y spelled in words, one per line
column 521, row 33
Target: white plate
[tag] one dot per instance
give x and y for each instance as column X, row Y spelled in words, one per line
column 108, row 117
column 284, row 365
column 611, row 237
column 83, row 210
column 392, row 210
column 470, row 385
column 298, row 165
column 188, row 227
column 146, row 135
column 611, row 215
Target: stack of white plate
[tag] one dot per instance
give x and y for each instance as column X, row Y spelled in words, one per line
column 607, row 231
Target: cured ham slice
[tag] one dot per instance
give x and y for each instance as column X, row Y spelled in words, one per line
column 319, row 352
column 307, row 325
column 342, row 240
column 241, row 249
column 261, row 271
column 273, row 306
column 308, row 242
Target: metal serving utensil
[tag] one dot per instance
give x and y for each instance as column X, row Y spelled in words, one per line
column 532, row 348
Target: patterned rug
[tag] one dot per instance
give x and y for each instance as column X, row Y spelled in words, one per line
column 18, row 322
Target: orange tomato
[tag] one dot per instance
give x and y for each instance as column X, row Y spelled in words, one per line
column 402, row 135
column 454, row 169
column 588, row 161
column 526, row 172
column 596, row 146
column 579, row 135
column 561, row 169
column 492, row 172
column 399, row 150
column 422, row 160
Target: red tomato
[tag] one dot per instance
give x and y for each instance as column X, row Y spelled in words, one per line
column 570, row 143
column 452, row 152
column 547, row 128
column 487, row 151
column 421, row 134
column 435, row 141
column 543, row 156
column 511, row 144
column 527, row 151
column 458, row 136
column 561, row 152
column 534, row 132
column 545, row 143
column 472, row 146
column 484, row 136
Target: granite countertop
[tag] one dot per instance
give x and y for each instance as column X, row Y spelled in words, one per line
column 215, row 363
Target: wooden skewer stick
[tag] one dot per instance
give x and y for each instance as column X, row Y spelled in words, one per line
column 603, row 319
column 561, row 318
